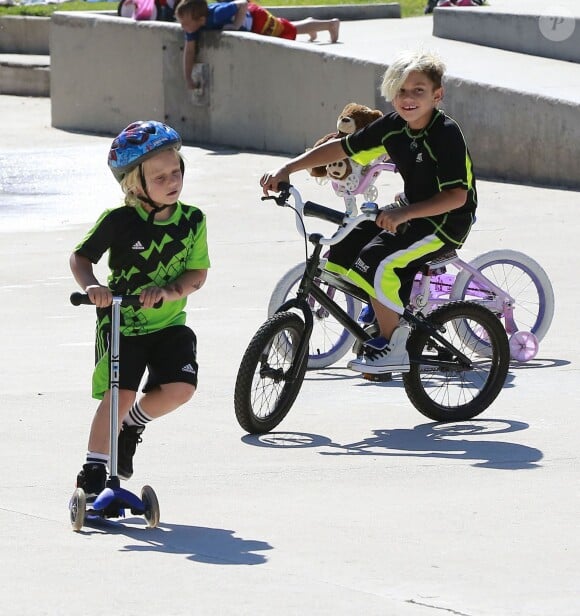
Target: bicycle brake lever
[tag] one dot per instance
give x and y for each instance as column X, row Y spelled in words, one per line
column 282, row 197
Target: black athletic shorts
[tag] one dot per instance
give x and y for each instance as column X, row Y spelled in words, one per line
column 168, row 356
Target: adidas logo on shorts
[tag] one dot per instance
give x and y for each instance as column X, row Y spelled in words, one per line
column 138, row 246
column 188, row 368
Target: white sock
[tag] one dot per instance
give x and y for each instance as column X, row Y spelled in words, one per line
column 94, row 457
column 137, row 416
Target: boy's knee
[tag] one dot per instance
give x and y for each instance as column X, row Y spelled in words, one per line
column 180, row 393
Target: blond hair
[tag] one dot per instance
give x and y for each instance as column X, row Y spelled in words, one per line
column 131, row 186
column 426, row 62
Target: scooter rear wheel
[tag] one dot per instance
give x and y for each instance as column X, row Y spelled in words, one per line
column 151, row 504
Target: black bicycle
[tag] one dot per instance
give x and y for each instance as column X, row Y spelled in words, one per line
column 459, row 353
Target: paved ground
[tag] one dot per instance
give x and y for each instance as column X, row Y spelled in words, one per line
column 357, row 505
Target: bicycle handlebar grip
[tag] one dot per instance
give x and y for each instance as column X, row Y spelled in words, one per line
column 324, row 213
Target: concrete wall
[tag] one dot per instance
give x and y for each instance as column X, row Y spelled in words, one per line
column 518, row 137
column 107, row 72
column 26, row 35
column 513, row 32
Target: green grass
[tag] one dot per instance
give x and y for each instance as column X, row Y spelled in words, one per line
column 409, row 8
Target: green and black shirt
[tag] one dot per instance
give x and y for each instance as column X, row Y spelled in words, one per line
column 429, row 161
column 144, row 254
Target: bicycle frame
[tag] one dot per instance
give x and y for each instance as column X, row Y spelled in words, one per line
column 458, row 354
column 433, row 289
column 308, row 288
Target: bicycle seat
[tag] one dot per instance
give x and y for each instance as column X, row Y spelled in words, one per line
column 438, row 262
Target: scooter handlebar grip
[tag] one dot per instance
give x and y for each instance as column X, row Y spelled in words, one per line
column 133, row 300
column 77, row 299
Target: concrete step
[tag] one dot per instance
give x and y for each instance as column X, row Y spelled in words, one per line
column 25, row 75
column 533, row 27
column 24, row 34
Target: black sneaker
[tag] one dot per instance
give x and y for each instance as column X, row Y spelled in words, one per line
column 92, row 479
column 129, row 437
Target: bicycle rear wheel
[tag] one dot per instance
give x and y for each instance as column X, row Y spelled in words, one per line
column 264, row 391
column 446, row 390
column 520, row 276
column 329, row 341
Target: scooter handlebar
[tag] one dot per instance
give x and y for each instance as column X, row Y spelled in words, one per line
column 77, row 299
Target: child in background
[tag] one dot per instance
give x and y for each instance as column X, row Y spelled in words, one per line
column 157, row 249
column 197, row 15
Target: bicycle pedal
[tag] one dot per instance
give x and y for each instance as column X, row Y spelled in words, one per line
column 378, row 378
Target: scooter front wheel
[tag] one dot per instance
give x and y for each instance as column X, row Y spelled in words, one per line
column 77, row 509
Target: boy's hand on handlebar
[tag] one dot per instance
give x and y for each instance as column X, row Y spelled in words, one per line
column 270, row 181
column 390, row 219
column 99, row 295
column 151, row 295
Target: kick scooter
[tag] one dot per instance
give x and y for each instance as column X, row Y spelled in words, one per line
column 113, row 500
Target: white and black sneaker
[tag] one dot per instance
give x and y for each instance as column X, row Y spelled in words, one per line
column 381, row 355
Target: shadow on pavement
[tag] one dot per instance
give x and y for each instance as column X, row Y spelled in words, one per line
column 344, row 374
column 213, row 546
column 430, row 440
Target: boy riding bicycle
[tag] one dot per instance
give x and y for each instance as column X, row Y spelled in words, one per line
column 432, row 157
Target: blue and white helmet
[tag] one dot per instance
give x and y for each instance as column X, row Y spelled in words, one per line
column 138, row 142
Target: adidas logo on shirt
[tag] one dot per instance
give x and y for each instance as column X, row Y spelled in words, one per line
column 138, row 246
column 188, row 368
column 419, row 158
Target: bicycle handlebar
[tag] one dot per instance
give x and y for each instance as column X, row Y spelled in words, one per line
column 77, row 299
column 324, row 213
column 369, row 211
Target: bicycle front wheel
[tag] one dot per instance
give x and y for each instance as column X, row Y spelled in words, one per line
column 265, row 390
column 441, row 387
column 329, row 340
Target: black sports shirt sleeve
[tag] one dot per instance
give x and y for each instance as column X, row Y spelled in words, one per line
column 98, row 239
column 368, row 143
